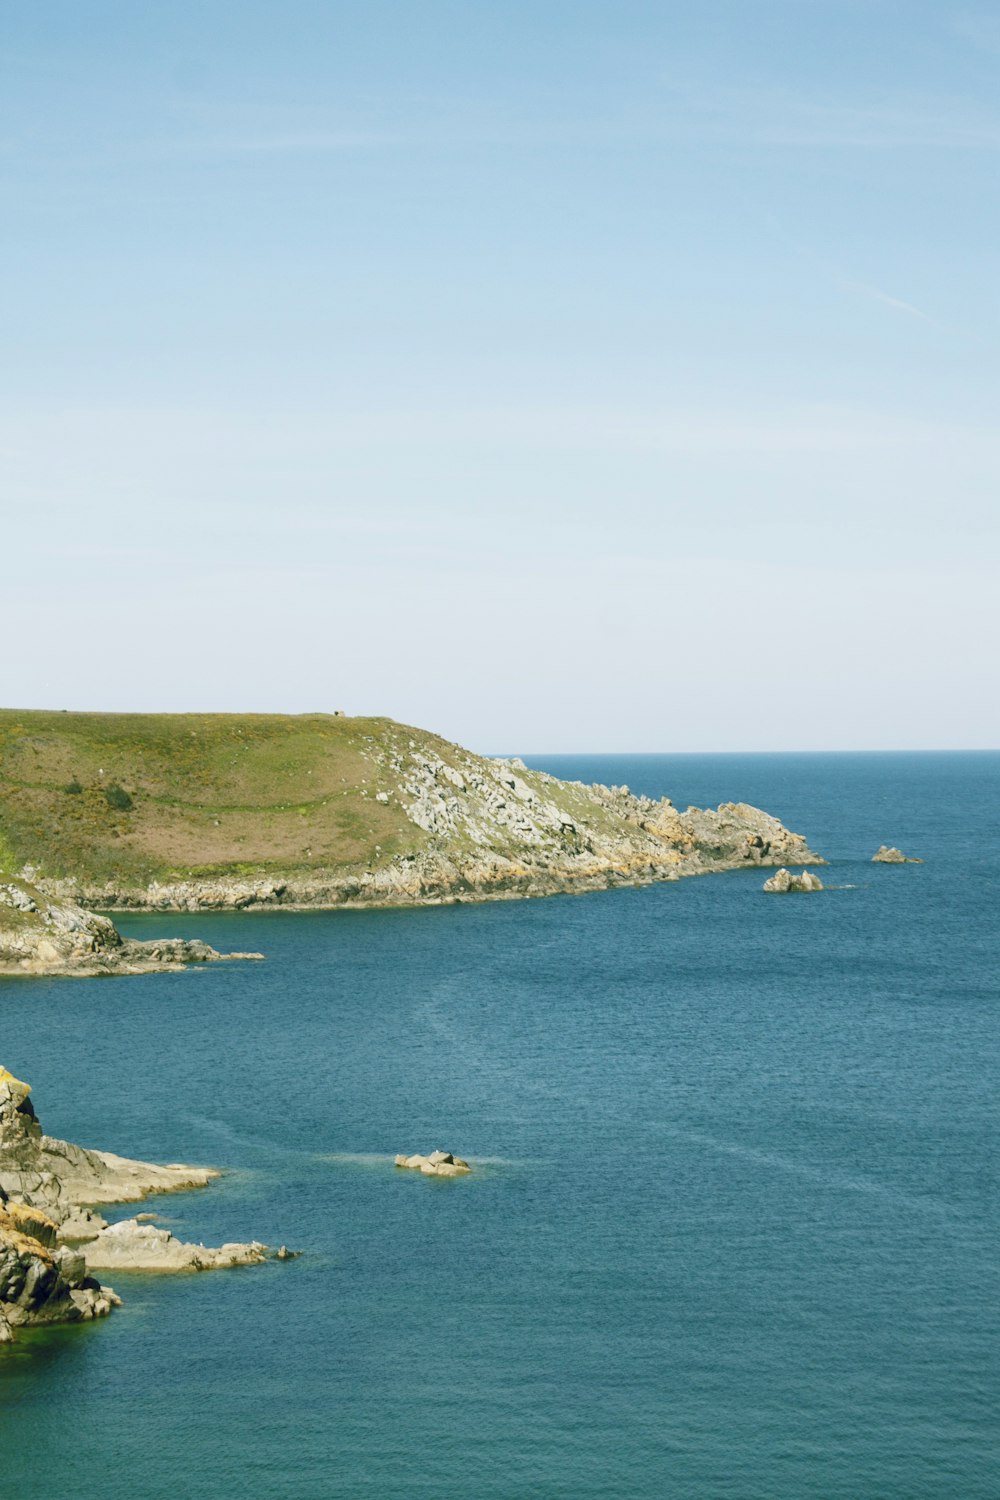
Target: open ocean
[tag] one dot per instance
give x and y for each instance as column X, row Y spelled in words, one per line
column 734, row 1232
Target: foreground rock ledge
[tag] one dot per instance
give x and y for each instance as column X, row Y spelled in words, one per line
column 51, row 1240
column 55, row 936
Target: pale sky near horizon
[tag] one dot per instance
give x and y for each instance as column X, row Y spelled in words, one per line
column 558, row 376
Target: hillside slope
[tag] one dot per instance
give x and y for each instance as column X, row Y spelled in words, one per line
column 202, row 810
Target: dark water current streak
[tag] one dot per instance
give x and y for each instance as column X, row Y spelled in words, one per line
column 735, row 1234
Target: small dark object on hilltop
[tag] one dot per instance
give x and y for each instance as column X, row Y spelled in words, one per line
column 118, row 798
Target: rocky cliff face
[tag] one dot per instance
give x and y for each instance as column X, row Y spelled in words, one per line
column 40, row 934
column 40, row 1280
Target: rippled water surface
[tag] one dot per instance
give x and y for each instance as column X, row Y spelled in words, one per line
column 734, row 1229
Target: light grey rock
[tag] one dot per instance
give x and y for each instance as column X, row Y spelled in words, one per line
column 887, row 854
column 436, row 1164
column 131, row 1246
column 16, row 898
column 785, row 881
column 57, row 1176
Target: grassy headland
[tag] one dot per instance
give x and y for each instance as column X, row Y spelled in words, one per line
column 321, row 809
column 138, row 797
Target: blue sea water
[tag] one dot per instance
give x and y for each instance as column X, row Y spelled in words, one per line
column 734, row 1232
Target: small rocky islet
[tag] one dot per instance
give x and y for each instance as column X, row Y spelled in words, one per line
column 51, row 1238
column 435, row 1164
column 784, row 881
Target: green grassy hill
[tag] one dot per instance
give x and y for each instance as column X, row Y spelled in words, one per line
column 134, row 797
column 317, row 809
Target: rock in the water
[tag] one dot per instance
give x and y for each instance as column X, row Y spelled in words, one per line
column 436, row 1164
column 888, row 854
column 784, row 880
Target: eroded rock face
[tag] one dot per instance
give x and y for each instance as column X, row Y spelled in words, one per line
column 44, row 935
column 41, row 1282
column 784, row 881
column 436, row 1164
column 50, row 1241
column 888, row 854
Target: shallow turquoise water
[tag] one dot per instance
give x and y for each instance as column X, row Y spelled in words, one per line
column 734, row 1232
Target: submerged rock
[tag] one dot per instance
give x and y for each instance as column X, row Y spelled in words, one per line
column 784, row 880
column 888, row 854
column 437, row 1164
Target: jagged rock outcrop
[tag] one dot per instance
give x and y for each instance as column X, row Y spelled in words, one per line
column 436, row 1164
column 131, row 1246
column 40, row 1281
column 784, row 880
column 40, row 934
column 888, row 854
column 50, row 1237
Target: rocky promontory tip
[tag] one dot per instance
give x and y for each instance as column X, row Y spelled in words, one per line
column 784, row 881
column 132, row 1246
column 888, row 854
column 51, row 1238
column 40, row 934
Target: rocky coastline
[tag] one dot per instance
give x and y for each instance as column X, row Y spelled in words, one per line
column 200, row 812
column 51, row 1238
column 45, row 934
column 493, row 830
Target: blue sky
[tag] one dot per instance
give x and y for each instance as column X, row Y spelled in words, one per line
column 558, row 375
